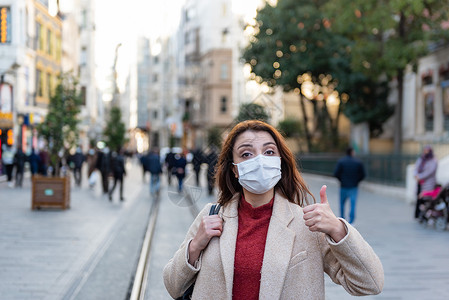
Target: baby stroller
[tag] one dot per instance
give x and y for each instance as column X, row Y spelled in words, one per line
column 434, row 208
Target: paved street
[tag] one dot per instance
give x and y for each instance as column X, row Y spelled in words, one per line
column 86, row 252
column 90, row 250
column 415, row 258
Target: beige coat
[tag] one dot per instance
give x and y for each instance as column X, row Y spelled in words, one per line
column 294, row 262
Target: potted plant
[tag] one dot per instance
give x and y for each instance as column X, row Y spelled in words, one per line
column 60, row 132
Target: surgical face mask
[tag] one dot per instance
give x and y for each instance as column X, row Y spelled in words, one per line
column 260, row 174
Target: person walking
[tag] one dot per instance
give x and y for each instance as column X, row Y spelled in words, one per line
column 34, row 159
column 425, row 174
column 211, row 160
column 76, row 163
column 91, row 160
column 180, row 169
column 197, row 161
column 170, row 163
column 8, row 163
column 270, row 239
column 153, row 165
column 118, row 171
column 104, row 166
column 349, row 171
column 44, row 160
column 144, row 162
column 19, row 161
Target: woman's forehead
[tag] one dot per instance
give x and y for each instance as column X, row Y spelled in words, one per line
column 253, row 138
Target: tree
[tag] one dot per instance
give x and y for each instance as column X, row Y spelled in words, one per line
column 60, row 126
column 115, row 130
column 290, row 128
column 293, row 41
column 314, row 38
column 388, row 36
column 214, row 137
column 252, row 111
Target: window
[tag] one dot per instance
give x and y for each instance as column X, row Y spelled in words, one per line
column 83, row 95
column 41, row 38
column 39, row 82
column 429, row 110
column 445, row 86
column 224, row 71
column 38, row 36
column 48, row 86
column 58, row 49
column 49, row 37
column 224, row 105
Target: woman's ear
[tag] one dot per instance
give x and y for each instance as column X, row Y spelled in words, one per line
column 235, row 171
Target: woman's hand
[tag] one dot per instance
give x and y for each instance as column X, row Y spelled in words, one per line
column 319, row 217
column 210, row 226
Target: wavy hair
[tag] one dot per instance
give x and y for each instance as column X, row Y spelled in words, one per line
column 291, row 185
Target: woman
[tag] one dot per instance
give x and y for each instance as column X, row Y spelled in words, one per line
column 425, row 174
column 266, row 243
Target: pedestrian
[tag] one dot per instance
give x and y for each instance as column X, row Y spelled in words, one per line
column 180, row 169
column 349, row 171
column 76, row 163
column 34, row 159
column 8, row 163
column 104, row 166
column 118, row 171
column 169, row 163
column 91, row 160
column 197, row 161
column 44, row 160
column 20, row 159
column 425, row 174
column 153, row 165
column 211, row 160
column 144, row 162
column 270, row 239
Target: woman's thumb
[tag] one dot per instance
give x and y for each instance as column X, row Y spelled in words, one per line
column 323, row 195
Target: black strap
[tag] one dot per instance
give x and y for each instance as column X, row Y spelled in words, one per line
column 214, row 209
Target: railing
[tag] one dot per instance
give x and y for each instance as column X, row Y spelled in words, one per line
column 383, row 169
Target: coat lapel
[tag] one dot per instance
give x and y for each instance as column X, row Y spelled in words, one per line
column 228, row 240
column 278, row 249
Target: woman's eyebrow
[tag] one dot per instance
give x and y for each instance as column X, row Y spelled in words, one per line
column 245, row 145
column 270, row 143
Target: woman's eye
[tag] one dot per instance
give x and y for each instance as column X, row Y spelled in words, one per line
column 246, row 154
column 269, row 152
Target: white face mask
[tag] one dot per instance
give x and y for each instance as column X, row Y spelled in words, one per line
column 260, row 174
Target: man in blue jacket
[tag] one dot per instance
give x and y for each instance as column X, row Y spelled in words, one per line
column 349, row 171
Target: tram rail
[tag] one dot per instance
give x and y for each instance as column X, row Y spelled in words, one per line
column 139, row 285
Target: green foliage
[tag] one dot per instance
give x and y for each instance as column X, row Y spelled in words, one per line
column 291, row 39
column 252, row 111
column 60, row 127
column 290, row 128
column 115, row 130
column 388, row 35
column 368, row 103
column 214, row 137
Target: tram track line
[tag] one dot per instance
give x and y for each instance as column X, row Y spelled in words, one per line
column 140, row 279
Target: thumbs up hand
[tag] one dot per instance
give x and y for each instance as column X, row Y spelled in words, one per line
column 319, row 217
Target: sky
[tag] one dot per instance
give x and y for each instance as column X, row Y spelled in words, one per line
column 122, row 22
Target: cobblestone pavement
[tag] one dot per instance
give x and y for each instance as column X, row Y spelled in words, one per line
column 79, row 253
column 53, row 254
column 415, row 258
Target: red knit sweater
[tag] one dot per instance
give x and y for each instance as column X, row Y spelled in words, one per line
column 249, row 249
